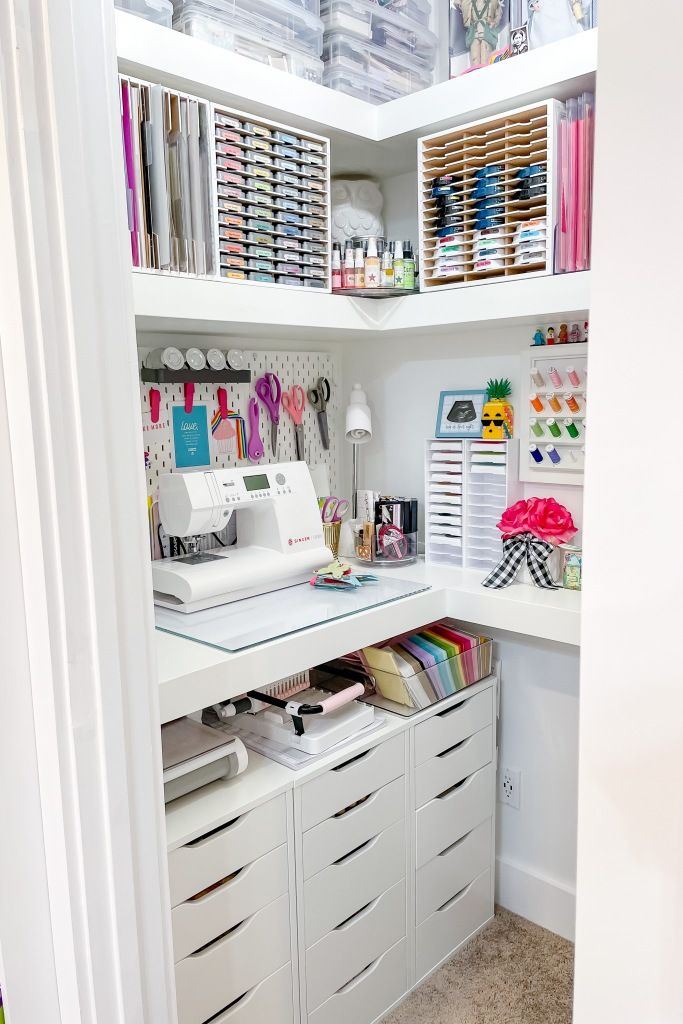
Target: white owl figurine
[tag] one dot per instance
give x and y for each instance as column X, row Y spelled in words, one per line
column 356, row 209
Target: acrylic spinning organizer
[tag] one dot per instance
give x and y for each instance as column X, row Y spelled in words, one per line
column 556, row 376
column 292, row 368
column 468, row 485
column 514, row 140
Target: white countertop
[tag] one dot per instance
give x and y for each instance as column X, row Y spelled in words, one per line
column 193, row 676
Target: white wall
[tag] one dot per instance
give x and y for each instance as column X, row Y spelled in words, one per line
column 540, row 695
column 400, row 207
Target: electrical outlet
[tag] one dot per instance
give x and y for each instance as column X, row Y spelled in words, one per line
column 509, row 786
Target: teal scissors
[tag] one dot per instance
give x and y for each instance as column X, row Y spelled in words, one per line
column 319, row 396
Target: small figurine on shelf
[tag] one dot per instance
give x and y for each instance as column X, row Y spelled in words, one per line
column 574, row 334
column 564, row 335
column 585, row 330
column 497, row 416
column 550, row 340
column 539, row 337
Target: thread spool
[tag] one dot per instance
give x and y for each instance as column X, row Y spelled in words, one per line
column 572, row 404
column 536, row 428
column 555, row 377
column 553, row 428
column 555, row 405
column 535, row 454
column 573, row 377
column 553, row 453
column 536, row 402
column 537, row 377
column 571, row 428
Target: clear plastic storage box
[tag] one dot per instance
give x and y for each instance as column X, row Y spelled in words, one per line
column 276, row 32
column 371, row 72
column 387, row 27
column 158, row 11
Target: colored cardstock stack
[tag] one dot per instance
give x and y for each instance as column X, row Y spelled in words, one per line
column 422, row 668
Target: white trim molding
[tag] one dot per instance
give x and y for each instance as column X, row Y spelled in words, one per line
column 84, row 932
column 543, row 900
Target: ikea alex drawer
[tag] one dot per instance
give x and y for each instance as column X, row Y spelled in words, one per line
column 456, row 723
column 198, row 921
column 350, row 883
column 448, row 817
column 367, row 996
column 452, row 869
column 449, row 926
column 351, row 781
column 346, row 951
column 349, row 829
column 210, row 979
column 452, row 766
column 269, row 1002
column 194, row 867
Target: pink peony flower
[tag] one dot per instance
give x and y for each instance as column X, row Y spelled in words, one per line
column 514, row 520
column 549, row 521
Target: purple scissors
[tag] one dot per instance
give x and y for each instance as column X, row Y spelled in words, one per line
column 269, row 390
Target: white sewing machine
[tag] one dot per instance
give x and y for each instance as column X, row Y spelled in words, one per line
column 279, row 534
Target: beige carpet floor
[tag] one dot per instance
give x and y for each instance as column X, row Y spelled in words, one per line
column 513, row 972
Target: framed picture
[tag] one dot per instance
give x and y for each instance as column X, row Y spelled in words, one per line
column 460, row 413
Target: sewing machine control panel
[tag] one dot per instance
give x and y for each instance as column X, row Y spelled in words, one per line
column 253, row 487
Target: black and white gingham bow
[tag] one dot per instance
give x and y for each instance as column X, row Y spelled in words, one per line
column 515, row 551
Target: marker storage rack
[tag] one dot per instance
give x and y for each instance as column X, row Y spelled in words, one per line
column 487, row 198
column 552, row 420
column 214, row 192
column 468, row 485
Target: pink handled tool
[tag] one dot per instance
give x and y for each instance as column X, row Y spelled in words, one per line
column 269, row 390
column 293, row 402
column 189, row 396
column 154, row 403
column 222, row 396
column 255, row 446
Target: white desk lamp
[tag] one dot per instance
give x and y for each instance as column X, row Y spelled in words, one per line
column 358, row 431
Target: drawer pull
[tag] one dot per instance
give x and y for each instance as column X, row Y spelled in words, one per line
column 358, row 978
column 220, row 830
column 353, row 760
column 222, row 883
column 458, row 842
column 460, row 743
column 358, row 850
column 449, row 903
column 354, row 807
column 451, row 711
column 350, row 921
column 225, row 937
column 232, row 1007
column 448, row 793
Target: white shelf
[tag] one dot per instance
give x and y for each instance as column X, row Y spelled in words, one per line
column 150, row 52
column 192, row 676
column 168, row 304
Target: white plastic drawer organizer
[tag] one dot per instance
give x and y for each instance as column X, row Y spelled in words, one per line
column 392, row 851
column 487, row 199
column 215, row 192
column 468, row 485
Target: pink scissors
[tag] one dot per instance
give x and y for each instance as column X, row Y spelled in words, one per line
column 294, row 401
column 269, row 390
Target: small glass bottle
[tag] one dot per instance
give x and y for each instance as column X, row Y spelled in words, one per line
column 336, row 267
column 409, row 268
column 387, row 277
column 348, row 271
column 372, row 267
column 398, row 264
column 359, row 267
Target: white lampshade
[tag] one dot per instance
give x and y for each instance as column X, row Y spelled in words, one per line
column 358, row 417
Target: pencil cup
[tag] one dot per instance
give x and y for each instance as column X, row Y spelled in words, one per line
column 331, row 533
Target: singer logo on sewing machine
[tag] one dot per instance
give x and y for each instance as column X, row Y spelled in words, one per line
column 298, row 540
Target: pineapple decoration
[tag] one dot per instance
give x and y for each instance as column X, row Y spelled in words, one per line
column 497, row 416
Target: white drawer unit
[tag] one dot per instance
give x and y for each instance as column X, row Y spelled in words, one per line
column 369, row 994
column 351, row 781
column 269, row 1002
column 197, row 921
column 444, row 930
column 448, row 817
column 350, row 883
column 452, row 869
column 348, row 829
column 199, row 864
column 211, row 978
column 354, row 944
column 450, row 767
column 452, row 725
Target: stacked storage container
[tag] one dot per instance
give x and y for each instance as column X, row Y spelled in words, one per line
column 378, row 51
column 285, row 34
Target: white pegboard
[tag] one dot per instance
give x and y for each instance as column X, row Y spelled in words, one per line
column 545, row 359
column 292, row 368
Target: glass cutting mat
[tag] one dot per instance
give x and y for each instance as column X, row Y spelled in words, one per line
column 256, row 620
